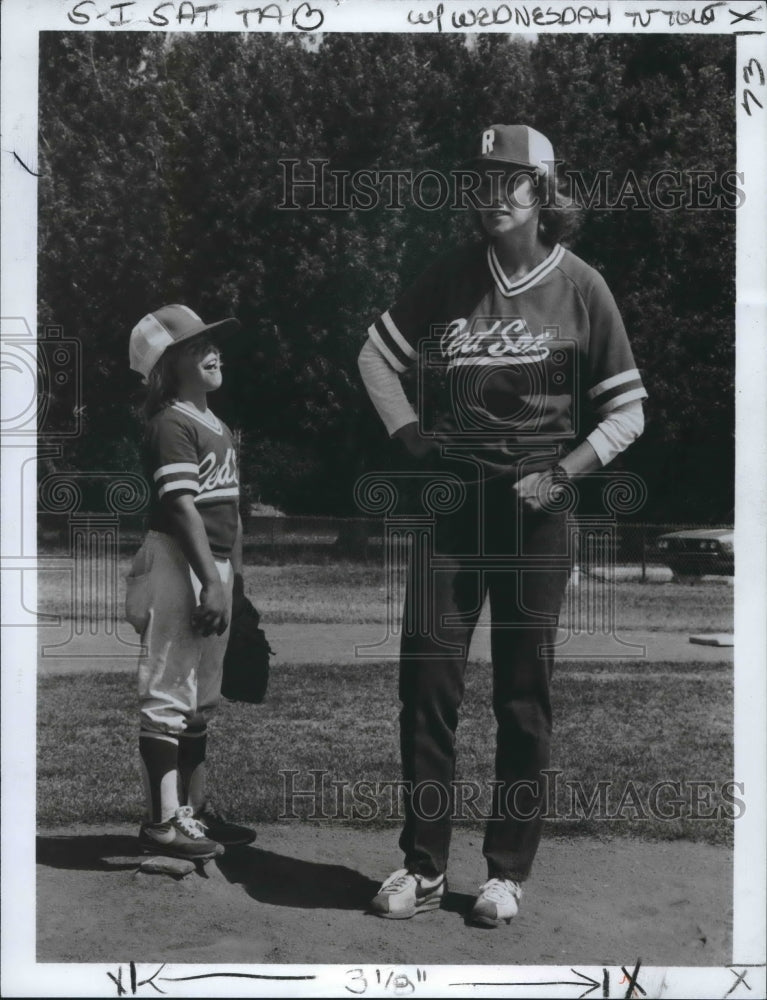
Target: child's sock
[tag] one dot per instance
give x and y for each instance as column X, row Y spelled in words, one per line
column 192, row 745
column 159, row 770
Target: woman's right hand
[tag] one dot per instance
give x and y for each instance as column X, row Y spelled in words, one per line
column 415, row 443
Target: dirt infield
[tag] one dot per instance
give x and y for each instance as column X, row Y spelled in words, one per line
column 298, row 895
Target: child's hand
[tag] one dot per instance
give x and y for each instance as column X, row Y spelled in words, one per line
column 211, row 615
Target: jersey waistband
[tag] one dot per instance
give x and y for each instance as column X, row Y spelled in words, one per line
column 171, row 544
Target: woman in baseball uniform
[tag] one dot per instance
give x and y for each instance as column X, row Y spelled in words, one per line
column 541, row 387
column 181, row 586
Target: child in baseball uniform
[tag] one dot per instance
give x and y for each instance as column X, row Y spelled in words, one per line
column 184, row 578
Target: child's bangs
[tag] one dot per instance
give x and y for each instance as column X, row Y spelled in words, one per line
column 197, row 347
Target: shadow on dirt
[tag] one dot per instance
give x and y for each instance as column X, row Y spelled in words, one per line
column 284, row 881
column 458, row 902
column 94, row 852
column 264, row 875
column 269, row 877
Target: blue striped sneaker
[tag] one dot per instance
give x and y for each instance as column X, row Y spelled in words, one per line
column 404, row 894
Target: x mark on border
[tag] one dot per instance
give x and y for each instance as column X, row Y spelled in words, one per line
column 632, row 980
column 748, row 16
column 740, row 977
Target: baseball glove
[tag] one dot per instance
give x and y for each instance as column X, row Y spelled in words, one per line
column 246, row 661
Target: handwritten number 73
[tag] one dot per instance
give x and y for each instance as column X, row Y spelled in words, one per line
column 752, row 68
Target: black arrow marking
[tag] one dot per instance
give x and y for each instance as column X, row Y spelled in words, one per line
column 594, row 984
column 146, row 982
column 231, row 975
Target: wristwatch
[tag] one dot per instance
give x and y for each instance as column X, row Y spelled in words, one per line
column 559, row 474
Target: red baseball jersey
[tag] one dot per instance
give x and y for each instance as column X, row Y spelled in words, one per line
column 186, row 451
column 530, row 366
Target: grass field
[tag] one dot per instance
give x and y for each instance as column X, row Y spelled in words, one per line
column 643, row 724
column 355, row 592
column 640, row 723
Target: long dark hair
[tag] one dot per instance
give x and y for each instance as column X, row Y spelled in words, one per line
column 162, row 384
column 559, row 215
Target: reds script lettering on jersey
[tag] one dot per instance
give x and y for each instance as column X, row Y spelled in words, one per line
column 186, row 451
column 532, row 363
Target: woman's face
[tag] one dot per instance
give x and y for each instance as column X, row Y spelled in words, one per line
column 198, row 366
column 507, row 202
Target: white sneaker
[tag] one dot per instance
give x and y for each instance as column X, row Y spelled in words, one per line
column 497, row 902
column 179, row 837
column 404, row 894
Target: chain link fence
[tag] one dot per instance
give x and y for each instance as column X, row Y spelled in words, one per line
column 689, row 551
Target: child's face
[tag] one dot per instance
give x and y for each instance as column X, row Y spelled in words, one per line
column 198, row 366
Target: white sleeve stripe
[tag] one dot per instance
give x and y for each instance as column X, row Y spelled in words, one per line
column 608, row 383
column 232, row 491
column 397, row 337
column 179, row 484
column 375, row 336
column 168, row 470
column 625, row 397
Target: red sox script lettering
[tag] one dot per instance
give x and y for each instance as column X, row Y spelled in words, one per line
column 502, row 338
column 214, row 476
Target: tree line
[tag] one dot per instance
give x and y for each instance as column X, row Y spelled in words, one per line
column 161, row 181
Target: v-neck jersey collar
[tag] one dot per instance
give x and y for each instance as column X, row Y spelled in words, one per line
column 509, row 288
column 208, row 419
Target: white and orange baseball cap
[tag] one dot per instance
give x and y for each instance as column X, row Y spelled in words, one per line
column 170, row 325
column 513, row 145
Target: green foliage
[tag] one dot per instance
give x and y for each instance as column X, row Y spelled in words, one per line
column 645, row 105
column 160, row 182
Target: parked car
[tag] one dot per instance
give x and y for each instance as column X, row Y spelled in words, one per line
column 697, row 551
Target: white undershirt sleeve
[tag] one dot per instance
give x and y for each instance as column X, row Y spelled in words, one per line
column 385, row 389
column 617, row 431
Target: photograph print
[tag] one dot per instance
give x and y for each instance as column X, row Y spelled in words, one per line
column 385, row 509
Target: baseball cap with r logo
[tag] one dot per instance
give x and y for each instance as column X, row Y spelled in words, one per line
column 514, row 145
column 170, row 325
